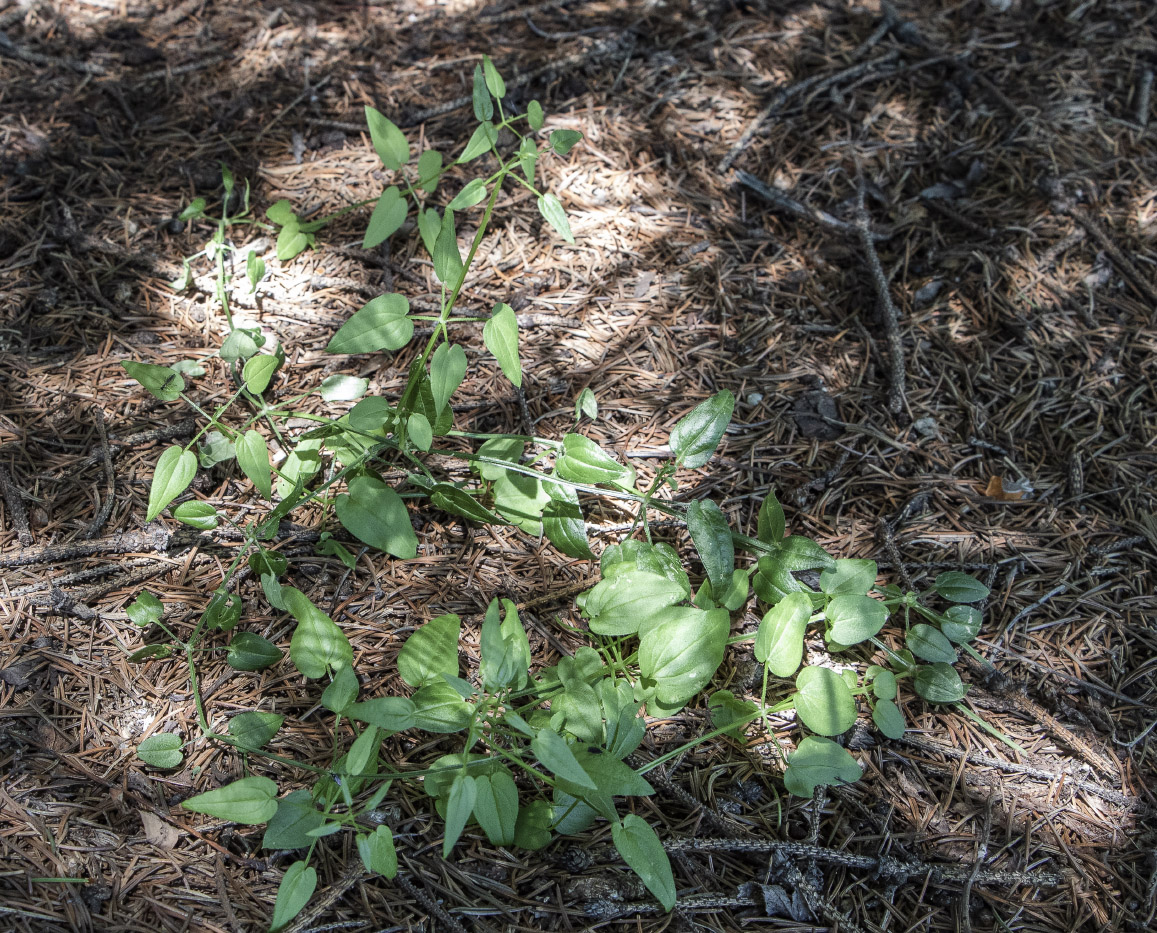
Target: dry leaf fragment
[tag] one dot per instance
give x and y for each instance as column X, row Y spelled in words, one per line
column 159, row 832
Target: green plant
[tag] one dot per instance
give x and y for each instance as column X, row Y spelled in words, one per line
column 543, row 749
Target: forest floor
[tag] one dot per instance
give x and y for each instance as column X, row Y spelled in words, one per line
column 1007, row 156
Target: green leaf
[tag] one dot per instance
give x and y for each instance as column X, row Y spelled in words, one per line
column 327, row 545
column 175, row 470
column 771, row 522
column 697, row 434
column 145, row 609
column 253, row 458
column 280, row 213
column 528, row 157
column 818, row 762
column 389, row 141
column 419, row 430
column 458, row 502
column 586, row 404
column 483, row 105
column 291, row 825
column 553, row 752
column 459, row 806
column 730, row 713
column 223, row 611
column 641, row 849
column 239, row 345
column 496, row 807
column 711, row 536
column 854, row 619
column 779, row 641
column 291, row 240
column 342, row 388
column 734, row 595
column 362, row 756
column 481, row 141
column 214, row 448
column 447, row 258
column 938, row 683
column 447, row 370
column 500, row 334
column 796, row 553
column 258, row 372
column 299, row 466
column 342, row 690
column 534, row 115
column 249, row 652
column 620, row 605
column 849, row 578
column 661, row 559
column 199, row 515
column 521, row 499
column 150, row 651
column 255, row 730
column 388, row 216
column 250, row 801
column 381, row 324
column 190, row 368
column 375, row 514
column 377, row 852
column 563, row 141
column 163, row 382
column 824, row 702
column 429, row 226
column 960, row 588
column 681, row 655
column 296, row 888
column 550, row 208
column 471, row 194
column 254, row 270
column 584, row 461
column 393, row 714
column 439, row 708
column 195, row 209
column 429, row 170
column 318, row 645
column 961, row 624
column 432, row 650
column 929, row 644
column 506, row 449
column 161, row 751
column 503, row 648
column 562, row 522
column 888, row 719
column 494, row 82
column 532, row 831
column 884, row 685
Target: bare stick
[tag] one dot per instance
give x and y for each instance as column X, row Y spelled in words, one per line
column 17, row 514
column 798, row 209
column 109, row 478
column 889, row 316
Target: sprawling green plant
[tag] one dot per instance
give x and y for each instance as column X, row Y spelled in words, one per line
column 542, row 749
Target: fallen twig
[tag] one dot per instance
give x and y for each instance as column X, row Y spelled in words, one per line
column 17, row 514
column 109, row 478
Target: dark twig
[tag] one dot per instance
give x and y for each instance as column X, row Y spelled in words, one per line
column 798, row 209
column 1144, row 95
column 109, row 478
column 154, row 539
column 889, row 315
column 981, row 855
column 17, row 514
column 883, row 866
